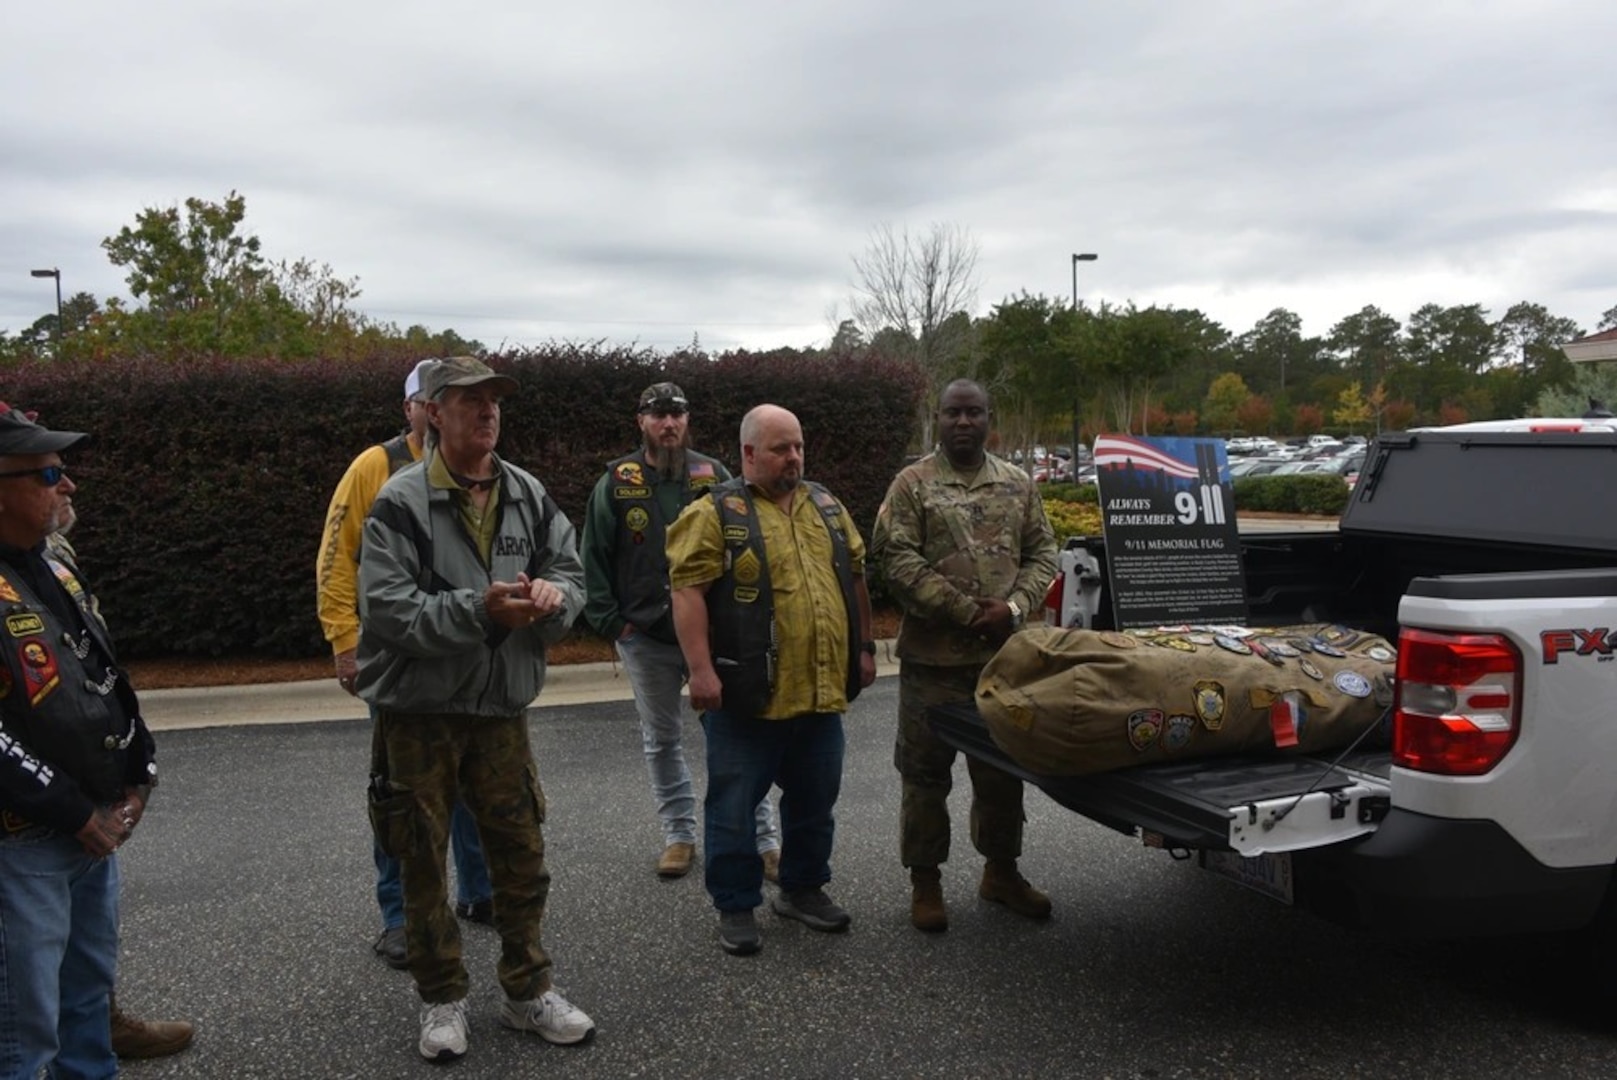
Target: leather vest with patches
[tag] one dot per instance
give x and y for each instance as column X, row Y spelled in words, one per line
column 51, row 698
column 640, row 567
column 741, row 607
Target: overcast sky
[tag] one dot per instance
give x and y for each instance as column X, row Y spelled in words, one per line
column 646, row 170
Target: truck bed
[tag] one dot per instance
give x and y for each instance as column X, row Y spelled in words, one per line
column 1240, row 804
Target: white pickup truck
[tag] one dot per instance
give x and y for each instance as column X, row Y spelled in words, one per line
column 1489, row 552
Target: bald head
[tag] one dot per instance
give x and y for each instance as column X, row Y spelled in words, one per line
column 772, row 449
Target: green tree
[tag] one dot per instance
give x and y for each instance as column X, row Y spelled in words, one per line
column 1353, row 410
column 1224, row 400
column 1366, row 345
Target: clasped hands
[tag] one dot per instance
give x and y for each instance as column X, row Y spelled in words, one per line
column 518, row 604
column 993, row 622
column 110, row 827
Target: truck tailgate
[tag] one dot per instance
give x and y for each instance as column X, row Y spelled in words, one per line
column 1251, row 806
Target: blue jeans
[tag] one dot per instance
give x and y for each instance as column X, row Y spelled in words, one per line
column 58, row 952
column 744, row 756
column 471, row 870
column 657, row 673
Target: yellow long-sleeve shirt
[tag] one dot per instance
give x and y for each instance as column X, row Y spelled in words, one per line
column 337, row 566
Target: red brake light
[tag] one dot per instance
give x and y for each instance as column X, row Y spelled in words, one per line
column 1052, row 600
column 1458, row 705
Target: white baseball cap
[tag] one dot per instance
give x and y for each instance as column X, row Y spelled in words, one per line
column 412, row 381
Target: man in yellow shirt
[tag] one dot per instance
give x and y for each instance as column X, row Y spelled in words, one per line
column 773, row 618
column 337, row 600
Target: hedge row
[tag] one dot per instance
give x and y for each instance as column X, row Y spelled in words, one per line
column 202, row 494
column 1305, row 494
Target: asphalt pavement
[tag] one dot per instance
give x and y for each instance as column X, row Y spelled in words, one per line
column 248, row 908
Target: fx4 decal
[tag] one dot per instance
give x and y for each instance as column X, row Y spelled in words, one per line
column 1599, row 642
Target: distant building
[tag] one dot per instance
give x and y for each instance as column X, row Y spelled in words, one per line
column 1601, row 346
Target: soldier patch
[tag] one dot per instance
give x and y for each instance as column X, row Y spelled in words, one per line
column 1176, row 735
column 637, row 518
column 1144, row 725
column 23, row 624
column 736, row 504
column 39, row 672
column 1351, row 683
column 1210, row 703
column 630, row 473
column 1234, row 645
column 1118, row 641
column 631, row 493
column 746, row 568
column 1311, row 669
column 1325, row 648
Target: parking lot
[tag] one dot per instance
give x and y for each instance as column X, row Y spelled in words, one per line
column 247, row 907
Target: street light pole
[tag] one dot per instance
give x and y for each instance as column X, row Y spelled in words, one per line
column 56, row 273
column 1077, row 423
column 1076, row 259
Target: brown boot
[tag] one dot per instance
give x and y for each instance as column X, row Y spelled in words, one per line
column 148, row 1038
column 676, row 860
column 926, row 900
column 1003, row 885
column 771, row 860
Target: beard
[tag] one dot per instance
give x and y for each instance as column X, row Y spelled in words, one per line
column 667, row 460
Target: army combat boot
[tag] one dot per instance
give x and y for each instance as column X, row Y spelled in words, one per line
column 926, row 900
column 1004, row 885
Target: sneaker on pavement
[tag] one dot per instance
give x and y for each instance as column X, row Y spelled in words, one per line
column 550, row 1016
column 676, row 860
column 390, row 947
column 771, row 860
column 132, row 1039
column 813, row 909
column 738, row 933
column 443, row 1030
column 478, row 911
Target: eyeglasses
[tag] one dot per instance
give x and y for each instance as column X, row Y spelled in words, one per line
column 50, row 475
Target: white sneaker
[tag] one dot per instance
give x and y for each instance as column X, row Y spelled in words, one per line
column 443, row 1030
column 550, row 1016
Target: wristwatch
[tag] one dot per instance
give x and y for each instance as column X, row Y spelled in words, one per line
column 1017, row 614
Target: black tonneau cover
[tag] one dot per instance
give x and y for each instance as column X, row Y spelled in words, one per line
column 1490, row 487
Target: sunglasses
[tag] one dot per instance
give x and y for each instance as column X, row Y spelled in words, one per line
column 50, row 475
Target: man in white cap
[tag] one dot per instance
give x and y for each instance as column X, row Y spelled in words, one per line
column 337, row 571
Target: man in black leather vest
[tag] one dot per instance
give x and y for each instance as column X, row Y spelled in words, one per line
column 626, row 576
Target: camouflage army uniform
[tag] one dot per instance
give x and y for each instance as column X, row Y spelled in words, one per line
column 942, row 539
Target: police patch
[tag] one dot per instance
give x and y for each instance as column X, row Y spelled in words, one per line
column 1381, row 653
column 630, row 473
column 1210, row 703
column 1325, row 648
column 637, row 518
column 1280, row 647
column 24, row 623
column 1144, row 725
column 1310, row 669
column 1176, row 736
column 1234, row 645
column 1351, row 683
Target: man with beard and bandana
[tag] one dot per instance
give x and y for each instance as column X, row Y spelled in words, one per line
column 768, row 579
column 966, row 550
column 626, row 578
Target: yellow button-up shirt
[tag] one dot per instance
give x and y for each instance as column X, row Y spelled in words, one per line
column 811, row 621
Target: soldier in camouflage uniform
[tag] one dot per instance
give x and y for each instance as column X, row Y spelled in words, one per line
column 965, row 548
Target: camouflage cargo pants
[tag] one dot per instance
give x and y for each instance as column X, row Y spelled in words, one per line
column 488, row 763
column 926, row 765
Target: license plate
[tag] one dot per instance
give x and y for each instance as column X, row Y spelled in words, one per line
column 1268, row 874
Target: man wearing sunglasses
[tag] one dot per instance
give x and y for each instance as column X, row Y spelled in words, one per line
column 626, row 576
column 76, row 770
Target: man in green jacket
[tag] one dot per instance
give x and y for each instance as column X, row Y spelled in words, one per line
column 467, row 571
column 626, row 576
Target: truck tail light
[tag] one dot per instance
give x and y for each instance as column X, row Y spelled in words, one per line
column 1052, row 600
column 1457, row 710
